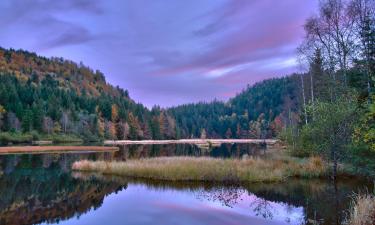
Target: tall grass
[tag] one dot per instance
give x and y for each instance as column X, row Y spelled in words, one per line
column 209, row 169
column 363, row 210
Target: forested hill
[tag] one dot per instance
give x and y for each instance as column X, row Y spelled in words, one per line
column 52, row 96
column 260, row 111
column 69, row 75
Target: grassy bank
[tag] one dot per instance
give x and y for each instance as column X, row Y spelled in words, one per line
column 362, row 211
column 16, row 138
column 61, row 138
column 20, row 138
column 209, row 169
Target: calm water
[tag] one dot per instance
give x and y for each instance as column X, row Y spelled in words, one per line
column 41, row 189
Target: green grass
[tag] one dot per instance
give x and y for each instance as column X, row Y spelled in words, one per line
column 209, row 169
column 19, row 138
column 7, row 137
column 61, row 138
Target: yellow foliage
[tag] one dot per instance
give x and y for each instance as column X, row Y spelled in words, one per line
column 56, row 127
column 114, row 115
column 2, row 110
column 101, row 127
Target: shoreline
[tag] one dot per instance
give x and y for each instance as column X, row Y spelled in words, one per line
column 52, row 149
column 192, row 141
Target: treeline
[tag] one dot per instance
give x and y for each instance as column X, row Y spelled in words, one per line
column 259, row 111
column 338, row 109
column 326, row 109
column 42, row 97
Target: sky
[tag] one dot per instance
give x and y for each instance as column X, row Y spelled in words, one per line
column 165, row 52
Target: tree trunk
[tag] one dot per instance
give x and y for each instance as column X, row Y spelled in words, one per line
column 334, row 163
column 304, row 99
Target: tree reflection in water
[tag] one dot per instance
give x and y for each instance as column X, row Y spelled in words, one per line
column 227, row 196
column 263, row 208
column 37, row 188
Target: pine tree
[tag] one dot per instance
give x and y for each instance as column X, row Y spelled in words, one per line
column 2, row 113
column 27, row 121
column 320, row 82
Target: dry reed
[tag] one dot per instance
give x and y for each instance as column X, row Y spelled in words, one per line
column 208, row 169
column 363, row 210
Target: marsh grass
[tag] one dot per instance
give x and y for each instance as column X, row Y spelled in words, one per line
column 209, row 169
column 362, row 211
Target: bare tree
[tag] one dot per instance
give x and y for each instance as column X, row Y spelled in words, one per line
column 64, row 121
column 332, row 31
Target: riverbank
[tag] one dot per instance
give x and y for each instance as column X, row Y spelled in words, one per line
column 28, row 138
column 210, row 169
column 47, row 149
column 192, row 141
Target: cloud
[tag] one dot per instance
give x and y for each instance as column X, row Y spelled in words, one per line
column 45, row 23
column 72, row 35
column 164, row 52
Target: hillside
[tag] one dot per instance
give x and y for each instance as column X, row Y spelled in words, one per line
column 69, row 75
column 59, row 96
column 259, row 111
column 51, row 96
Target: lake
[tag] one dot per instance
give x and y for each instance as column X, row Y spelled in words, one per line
column 42, row 189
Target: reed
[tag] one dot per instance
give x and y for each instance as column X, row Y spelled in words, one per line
column 209, row 169
column 362, row 211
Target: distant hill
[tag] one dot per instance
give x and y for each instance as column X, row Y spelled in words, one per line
column 53, row 96
column 259, row 111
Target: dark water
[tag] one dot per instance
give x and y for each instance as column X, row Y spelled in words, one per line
column 42, row 189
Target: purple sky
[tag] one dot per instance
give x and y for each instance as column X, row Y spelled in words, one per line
column 164, row 52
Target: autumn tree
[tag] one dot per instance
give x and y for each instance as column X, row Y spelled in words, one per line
column 277, row 126
column 56, row 127
column 114, row 113
column 101, row 126
column 126, row 130
column 110, row 130
column 120, row 130
column 134, row 127
column 146, row 131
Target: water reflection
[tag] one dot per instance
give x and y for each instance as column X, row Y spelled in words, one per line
column 222, row 151
column 42, row 189
column 292, row 202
